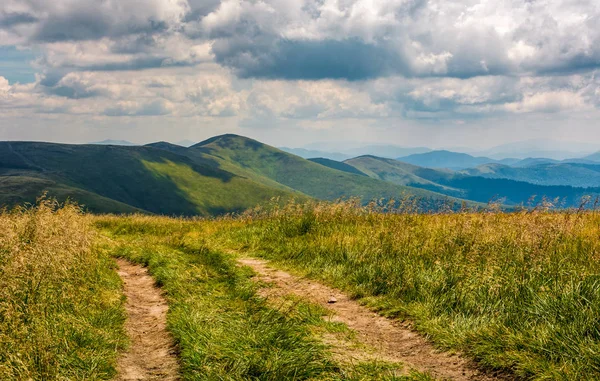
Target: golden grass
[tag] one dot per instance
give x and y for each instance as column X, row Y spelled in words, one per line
column 60, row 303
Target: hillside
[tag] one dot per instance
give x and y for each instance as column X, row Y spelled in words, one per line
column 124, row 179
column 223, row 174
column 266, row 164
column 340, row 166
column 397, row 172
column 450, row 160
column 476, row 188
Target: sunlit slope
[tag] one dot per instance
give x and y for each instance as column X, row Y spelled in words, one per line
column 123, row 179
column 397, row 172
column 247, row 157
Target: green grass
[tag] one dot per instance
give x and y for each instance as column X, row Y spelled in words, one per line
column 223, row 329
column 209, row 195
column 518, row 292
column 61, row 312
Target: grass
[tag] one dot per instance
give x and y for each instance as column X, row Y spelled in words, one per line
column 211, row 195
column 518, row 292
column 61, row 311
column 224, row 329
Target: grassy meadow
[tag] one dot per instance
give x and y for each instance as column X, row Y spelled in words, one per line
column 61, row 315
column 518, row 292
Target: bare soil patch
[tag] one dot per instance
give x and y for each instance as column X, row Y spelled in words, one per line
column 152, row 354
column 391, row 340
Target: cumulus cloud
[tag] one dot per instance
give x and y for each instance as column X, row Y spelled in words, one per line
column 305, row 62
column 313, row 39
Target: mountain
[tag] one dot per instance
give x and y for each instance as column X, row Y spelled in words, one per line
column 593, row 157
column 269, row 165
column 450, row 160
column 471, row 185
column 389, row 151
column 397, row 172
column 543, row 173
column 552, row 149
column 223, row 174
column 308, row 154
column 110, row 178
column 337, row 165
column 339, row 152
column 115, row 143
column 533, row 161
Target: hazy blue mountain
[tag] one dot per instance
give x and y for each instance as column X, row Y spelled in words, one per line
column 534, row 161
column 389, row 151
column 595, row 157
column 450, row 160
column 544, row 148
column 308, row 153
column 464, row 185
column 561, row 173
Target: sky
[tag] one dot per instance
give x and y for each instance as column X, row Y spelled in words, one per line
column 434, row 73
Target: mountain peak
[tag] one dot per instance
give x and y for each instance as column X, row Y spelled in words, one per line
column 218, row 138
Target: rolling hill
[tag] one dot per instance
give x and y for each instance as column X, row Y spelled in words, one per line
column 223, row 174
column 231, row 173
column 476, row 188
column 340, row 166
column 124, row 179
column 268, row 165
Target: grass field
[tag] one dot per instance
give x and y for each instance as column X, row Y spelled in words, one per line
column 518, row 292
column 61, row 311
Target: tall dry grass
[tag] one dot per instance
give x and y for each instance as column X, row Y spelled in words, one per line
column 60, row 304
column 517, row 291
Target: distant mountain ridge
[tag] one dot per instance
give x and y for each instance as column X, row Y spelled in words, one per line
column 450, row 160
column 231, row 173
column 223, row 174
column 463, row 185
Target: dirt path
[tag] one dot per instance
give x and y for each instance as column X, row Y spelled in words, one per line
column 391, row 340
column 152, row 353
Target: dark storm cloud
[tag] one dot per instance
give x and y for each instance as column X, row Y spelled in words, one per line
column 8, row 20
column 349, row 59
column 85, row 24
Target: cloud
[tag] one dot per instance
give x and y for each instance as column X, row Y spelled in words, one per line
column 350, row 59
column 313, row 39
column 549, row 102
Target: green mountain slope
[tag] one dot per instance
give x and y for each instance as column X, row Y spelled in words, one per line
column 397, row 172
column 266, row 164
column 340, row 166
column 123, row 179
column 474, row 188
